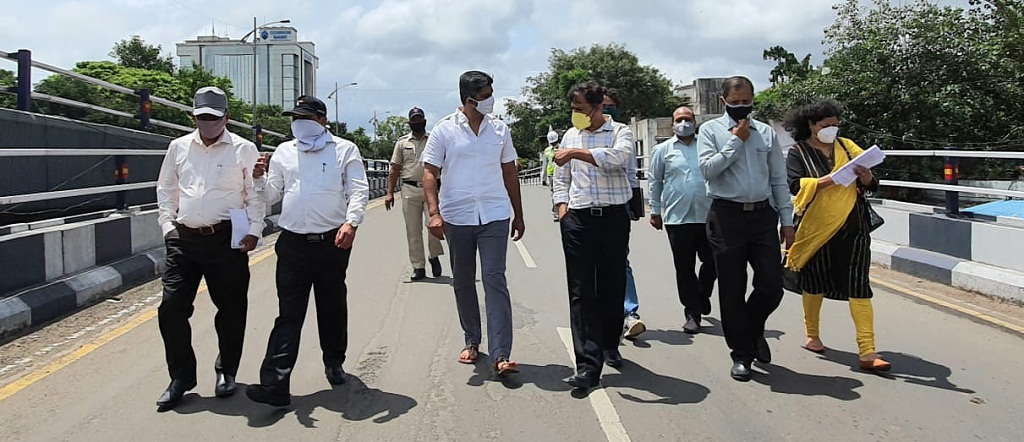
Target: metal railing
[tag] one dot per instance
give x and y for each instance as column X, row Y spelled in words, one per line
column 531, row 177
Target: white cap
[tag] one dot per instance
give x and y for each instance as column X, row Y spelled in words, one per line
column 552, row 137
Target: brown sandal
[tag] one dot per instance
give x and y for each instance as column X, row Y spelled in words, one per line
column 469, row 354
column 505, row 366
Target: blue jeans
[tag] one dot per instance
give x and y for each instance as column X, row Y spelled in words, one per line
column 632, row 304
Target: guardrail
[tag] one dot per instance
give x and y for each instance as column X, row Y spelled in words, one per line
column 531, row 176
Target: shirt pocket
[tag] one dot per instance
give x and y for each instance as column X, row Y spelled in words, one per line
column 228, row 177
column 332, row 178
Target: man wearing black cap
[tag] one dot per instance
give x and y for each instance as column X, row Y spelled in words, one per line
column 205, row 175
column 322, row 182
column 405, row 161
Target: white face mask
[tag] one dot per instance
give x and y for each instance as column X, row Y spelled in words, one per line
column 828, row 135
column 486, row 106
column 683, row 129
column 309, row 134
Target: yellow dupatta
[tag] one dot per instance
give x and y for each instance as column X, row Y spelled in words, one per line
column 827, row 215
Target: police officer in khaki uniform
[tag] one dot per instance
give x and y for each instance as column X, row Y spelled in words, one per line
column 405, row 162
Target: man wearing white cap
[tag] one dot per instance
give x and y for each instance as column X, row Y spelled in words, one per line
column 549, row 165
column 205, row 175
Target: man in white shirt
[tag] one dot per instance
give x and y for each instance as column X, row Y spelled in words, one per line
column 322, row 182
column 205, row 175
column 591, row 191
column 474, row 149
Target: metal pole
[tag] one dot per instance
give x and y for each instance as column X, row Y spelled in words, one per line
column 24, row 57
column 254, row 37
column 336, row 119
column 951, row 173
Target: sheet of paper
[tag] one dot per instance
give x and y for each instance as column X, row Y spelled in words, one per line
column 240, row 228
column 870, row 158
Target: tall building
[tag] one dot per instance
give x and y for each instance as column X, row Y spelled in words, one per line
column 285, row 67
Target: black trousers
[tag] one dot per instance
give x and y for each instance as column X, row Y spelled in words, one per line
column 191, row 258
column 737, row 238
column 595, row 262
column 689, row 242
column 302, row 265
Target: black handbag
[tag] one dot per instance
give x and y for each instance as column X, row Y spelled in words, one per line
column 790, row 278
column 874, row 219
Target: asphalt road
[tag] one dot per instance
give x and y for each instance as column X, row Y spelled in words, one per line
column 953, row 378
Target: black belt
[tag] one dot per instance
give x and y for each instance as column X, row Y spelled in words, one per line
column 205, row 230
column 314, row 237
column 600, row 211
column 413, row 183
column 746, row 207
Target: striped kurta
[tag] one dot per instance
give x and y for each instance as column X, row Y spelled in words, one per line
column 839, row 269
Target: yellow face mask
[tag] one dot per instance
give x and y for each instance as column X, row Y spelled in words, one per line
column 581, row 121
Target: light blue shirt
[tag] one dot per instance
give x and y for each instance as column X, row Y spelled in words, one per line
column 744, row 171
column 677, row 188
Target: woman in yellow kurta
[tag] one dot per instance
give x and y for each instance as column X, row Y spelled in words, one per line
column 832, row 251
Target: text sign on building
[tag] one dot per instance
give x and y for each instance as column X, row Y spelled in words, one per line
column 278, row 35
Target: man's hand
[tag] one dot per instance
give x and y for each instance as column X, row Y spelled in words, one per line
column 563, row 156
column 389, row 201
column 563, row 208
column 787, row 234
column 346, row 236
column 518, row 229
column 656, row 222
column 261, row 167
column 249, row 243
column 742, row 129
column 436, row 226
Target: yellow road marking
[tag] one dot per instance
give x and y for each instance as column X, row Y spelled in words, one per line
column 969, row 312
column 37, row 375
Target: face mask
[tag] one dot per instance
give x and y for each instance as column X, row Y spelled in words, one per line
column 611, row 111
column 684, row 129
column 581, row 121
column 418, row 127
column 486, row 106
column 211, row 129
column 828, row 135
column 309, row 135
column 739, row 111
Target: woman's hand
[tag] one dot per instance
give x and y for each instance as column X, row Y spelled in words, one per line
column 864, row 175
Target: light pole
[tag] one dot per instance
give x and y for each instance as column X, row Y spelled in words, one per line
column 334, row 93
column 375, row 122
column 254, row 67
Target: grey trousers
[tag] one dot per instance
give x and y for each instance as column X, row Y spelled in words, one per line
column 491, row 240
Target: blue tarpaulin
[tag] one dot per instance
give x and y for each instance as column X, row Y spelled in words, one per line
column 1014, row 208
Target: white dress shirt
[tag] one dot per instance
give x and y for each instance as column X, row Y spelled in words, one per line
column 585, row 185
column 199, row 185
column 474, row 191
column 321, row 190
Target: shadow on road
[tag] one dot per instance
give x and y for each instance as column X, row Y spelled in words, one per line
column 440, row 280
column 670, row 337
column 909, row 368
column 545, row 377
column 669, row 390
column 786, row 381
column 354, row 401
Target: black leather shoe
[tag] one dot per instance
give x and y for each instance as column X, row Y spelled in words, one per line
column 418, row 274
column 740, row 372
column 692, row 325
column 613, row 358
column 435, row 266
column 173, row 394
column 225, row 385
column 763, row 353
column 581, row 381
column 335, row 375
column 267, row 395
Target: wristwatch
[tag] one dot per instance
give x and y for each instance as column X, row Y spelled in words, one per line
column 354, row 224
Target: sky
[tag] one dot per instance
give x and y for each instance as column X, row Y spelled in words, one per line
column 405, row 53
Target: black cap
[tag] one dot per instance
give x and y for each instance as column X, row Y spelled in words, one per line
column 307, row 105
column 416, row 111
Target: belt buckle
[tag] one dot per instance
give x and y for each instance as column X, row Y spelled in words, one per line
column 596, row 211
column 748, row 207
column 206, row 230
column 314, row 238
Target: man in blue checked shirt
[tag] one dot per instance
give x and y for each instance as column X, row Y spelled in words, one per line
column 590, row 192
column 679, row 204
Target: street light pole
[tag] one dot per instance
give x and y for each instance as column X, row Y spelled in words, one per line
column 334, row 93
column 254, row 64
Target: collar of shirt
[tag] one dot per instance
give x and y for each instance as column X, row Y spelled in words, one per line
column 730, row 123
column 607, row 126
column 225, row 137
column 463, row 120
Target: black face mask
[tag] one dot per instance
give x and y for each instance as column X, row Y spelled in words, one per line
column 738, row 112
column 418, row 127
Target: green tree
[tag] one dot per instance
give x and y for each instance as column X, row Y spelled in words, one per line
column 361, row 140
column 643, row 89
column 387, row 133
column 787, row 67
column 7, row 80
column 133, row 52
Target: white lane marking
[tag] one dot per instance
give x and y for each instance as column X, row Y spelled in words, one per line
column 527, row 258
column 599, row 400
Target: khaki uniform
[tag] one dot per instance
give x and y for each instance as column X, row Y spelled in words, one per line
column 414, row 204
